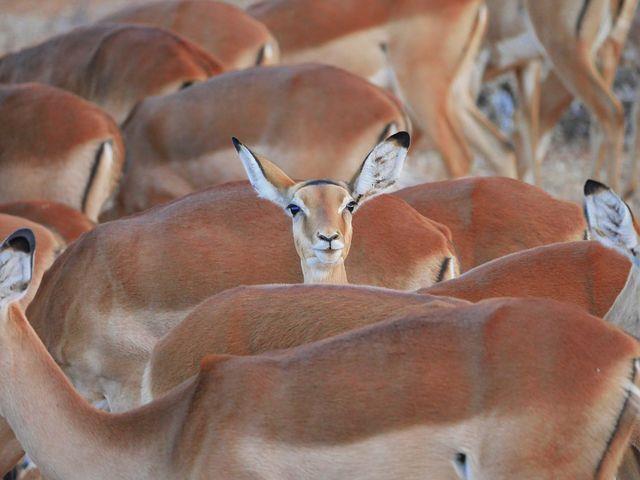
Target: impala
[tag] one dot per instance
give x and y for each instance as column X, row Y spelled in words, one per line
column 483, row 221
column 378, row 402
column 582, row 273
column 229, row 34
column 577, row 37
column 114, row 66
column 62, row 148
column 321, row 210
column 179, row 143
column 197, row 246
column 421, row 50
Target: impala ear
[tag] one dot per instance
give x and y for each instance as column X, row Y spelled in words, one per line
column 16, row 265
column 382, row 167
column 610, row 219
column 267, row 179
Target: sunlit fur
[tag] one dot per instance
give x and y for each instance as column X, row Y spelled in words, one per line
column 113, row 65
column 61, row 147
column 237, row 41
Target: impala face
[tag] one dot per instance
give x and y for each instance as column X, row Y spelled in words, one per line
column 321, row 210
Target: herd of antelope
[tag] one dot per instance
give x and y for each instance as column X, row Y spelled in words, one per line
column 161, row 317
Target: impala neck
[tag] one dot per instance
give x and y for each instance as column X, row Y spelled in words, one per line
column 62, row 433
column 334, row 275
column 625, row 311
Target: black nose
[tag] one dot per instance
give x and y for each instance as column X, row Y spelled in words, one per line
column 328, row 239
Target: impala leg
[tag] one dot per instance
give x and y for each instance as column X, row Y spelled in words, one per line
column 635, row 150
column 630, row 467
column 487, row 139
column 528, row 119
column 484, row 137
column 585, row 81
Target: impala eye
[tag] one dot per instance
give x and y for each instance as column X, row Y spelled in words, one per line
column 351, row 206
column 293, row 209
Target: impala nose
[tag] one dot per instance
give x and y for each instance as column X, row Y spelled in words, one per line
column 328, row 239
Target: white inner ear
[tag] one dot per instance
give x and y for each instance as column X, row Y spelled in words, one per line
column 610, row 220
column 15, row 275
column 380, row 170
column 261, row 185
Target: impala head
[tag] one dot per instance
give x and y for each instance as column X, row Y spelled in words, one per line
column 321, row 210
column 16, row 266
column 610, row 220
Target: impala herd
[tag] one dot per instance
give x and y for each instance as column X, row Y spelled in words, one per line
column 304, row 324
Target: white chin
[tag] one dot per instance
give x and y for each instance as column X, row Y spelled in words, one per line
column 328, row 257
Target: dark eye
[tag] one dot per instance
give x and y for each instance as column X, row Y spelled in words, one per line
column 351, row 206
column 293, row 209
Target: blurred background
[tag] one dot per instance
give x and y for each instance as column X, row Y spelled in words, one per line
column 27, row 22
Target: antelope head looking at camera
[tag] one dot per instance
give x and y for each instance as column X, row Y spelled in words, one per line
column 321, row 210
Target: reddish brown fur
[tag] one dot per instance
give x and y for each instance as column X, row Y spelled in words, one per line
column 112, row 65
column 498, row 361
column 225, row 31
column 582, row 273
column 314, row 121
column 252, row 320
column 67, row 223
column 416, row 48
column 490, row 217
column 50, row 139
column 151, row 269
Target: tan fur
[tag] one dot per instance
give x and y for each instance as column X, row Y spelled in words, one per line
column 483, row 221
column 228, row 33
column 393, row 401
column 50, row 142
column 415, row 48
column 114, row 66
column 188, row 250
column 181, row 142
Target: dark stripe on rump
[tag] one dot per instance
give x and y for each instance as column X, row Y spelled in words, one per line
column 632, row 377
column 583, row 12
column 443, row 269
column 92, row 174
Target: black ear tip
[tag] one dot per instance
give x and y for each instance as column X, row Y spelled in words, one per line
column 401, row 138
column 22, row 240
column 592, row 187
column 236, row 143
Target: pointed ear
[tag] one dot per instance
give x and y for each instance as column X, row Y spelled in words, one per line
column 267, row 179
column 382, row 167
column 16, row 265
column 610, row 219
